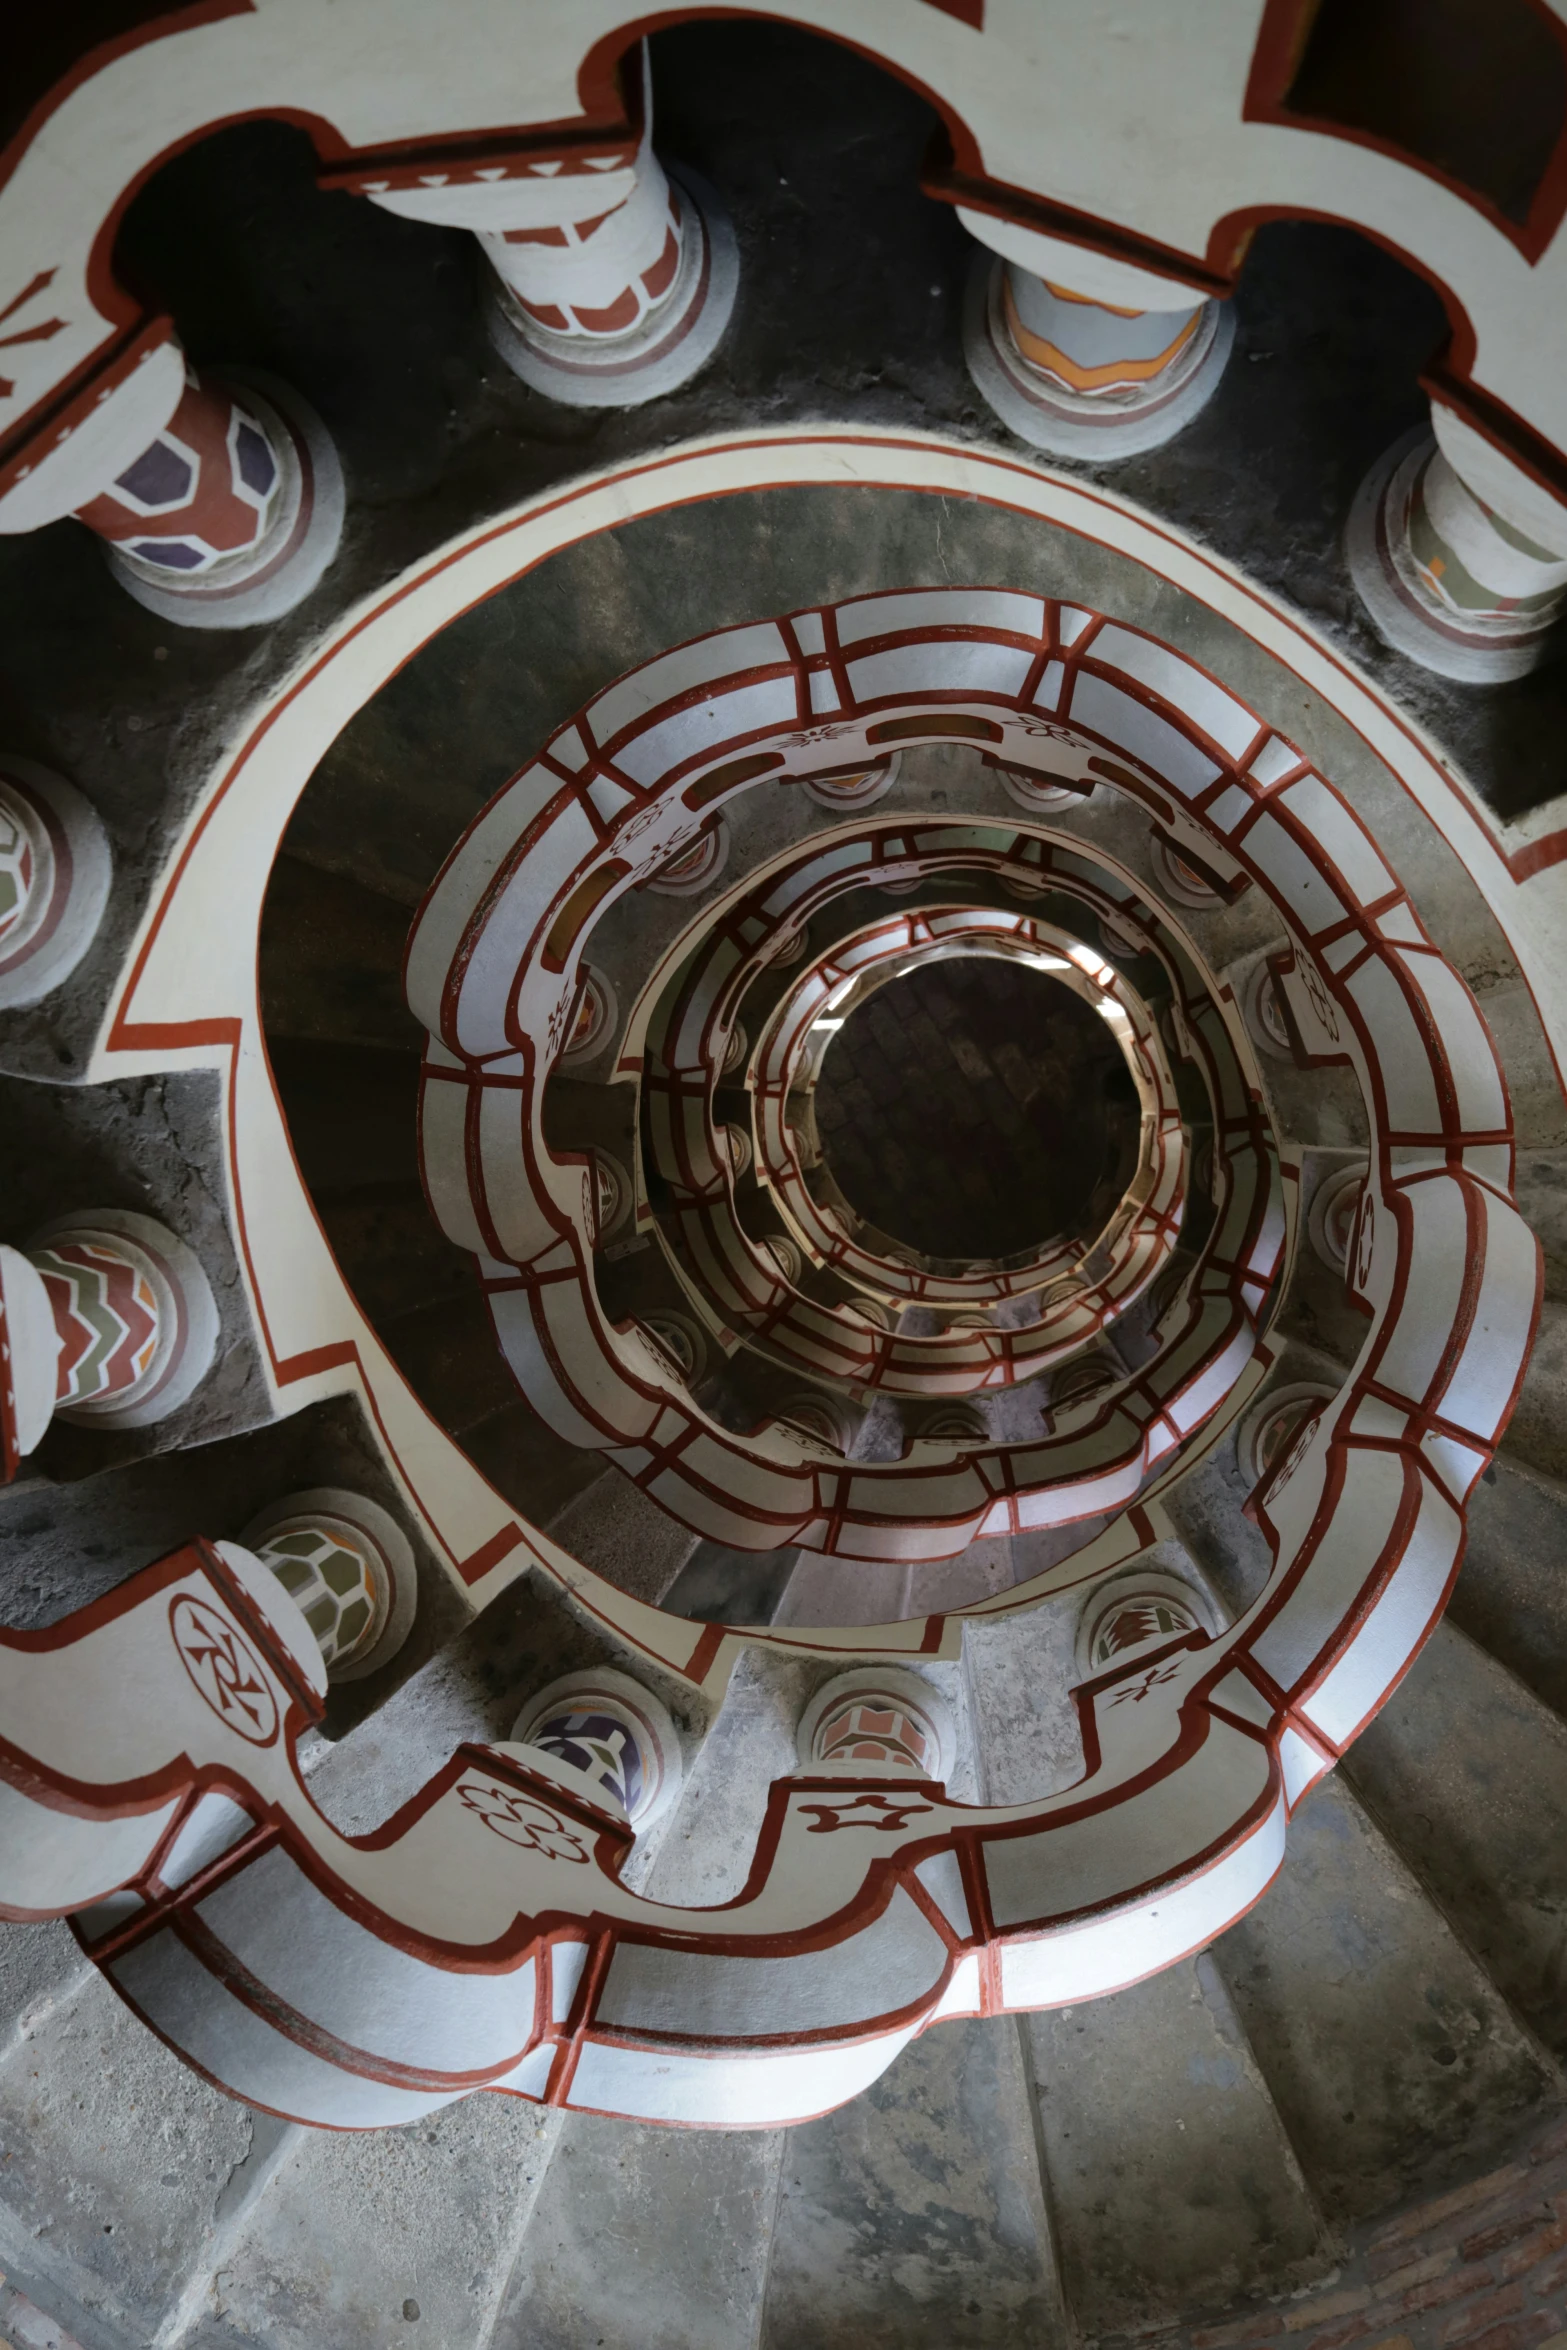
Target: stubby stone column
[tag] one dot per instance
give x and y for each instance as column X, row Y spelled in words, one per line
column 107, row 1319
column 613, row 1732
column 348, row 1567
column 1084, row 355
column 1274, row 1432
column 875, row 1720
column 54, row 879
column 1459, row 557
column 231, row 513
column 1135, row 1612
column 224, row 515
column 612, row 279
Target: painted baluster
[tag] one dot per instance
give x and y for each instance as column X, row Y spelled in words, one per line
column 605, row 1728
column 348, row 1567
column 1458, row 555
column 230, row 514
column 54, row 879
column 1084, row 355
column 611, row 278
column 878, row 1720
column 107, row 1319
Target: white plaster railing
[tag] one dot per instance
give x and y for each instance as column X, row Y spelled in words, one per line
column 481, row 1939
column 745, row 1288
column 493, row 969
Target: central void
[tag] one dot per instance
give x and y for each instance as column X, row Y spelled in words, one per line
column 976, row 1109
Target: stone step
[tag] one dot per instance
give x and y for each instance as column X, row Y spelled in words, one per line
column 643, row 2239
column 1173, row 2184
column 614, row 1528
column 1537, row 1432
column 1465, row 1771
column 393, row 1254
column 1396, row 2065
column 115, row 2160
column 331, row 961
column 1510, row 1594
column 363, row 2239
column 352, row 1112
column 914, row 2218
column 1540, row 1186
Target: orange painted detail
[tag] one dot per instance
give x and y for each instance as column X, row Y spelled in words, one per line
column 1053, row 361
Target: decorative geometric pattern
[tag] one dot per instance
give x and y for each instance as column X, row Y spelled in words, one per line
column 1140, row 1617
column 18, row 866
column 224, row 1669
column 105, row 1312
column 1086, row 349
column 865, row 1731
column 204, row 491
column 599, row 278
column 336, row 1579
column 521, row 1820
column 598, row 1743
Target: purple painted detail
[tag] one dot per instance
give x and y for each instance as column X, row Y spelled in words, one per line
column 174, row 554
column 598, row 1744
column 253, row 459
column 161, row 476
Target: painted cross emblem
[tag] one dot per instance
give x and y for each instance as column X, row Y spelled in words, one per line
column 224, row 1669
column 1144, row 1685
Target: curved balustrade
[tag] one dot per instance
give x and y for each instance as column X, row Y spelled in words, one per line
column 483, row 1937
column 743, row 1283
column 617, row 794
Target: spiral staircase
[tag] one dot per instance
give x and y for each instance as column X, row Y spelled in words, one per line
column 856, row 1141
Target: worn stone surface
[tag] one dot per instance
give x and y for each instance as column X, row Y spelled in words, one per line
column 718, row 1585
column 381, row 2236
column 614, row 1528
column 1173, row 2185
column 113, row 2155
column 914, row 2215
column 39, row 1965
column 1537, row 1431
column 644, row 2239
column 1020, row 1669
column 1394, row 2061
column 1441, row 1768
column 1510, row 1595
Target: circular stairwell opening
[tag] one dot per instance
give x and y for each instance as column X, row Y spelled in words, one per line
column 976, row 1107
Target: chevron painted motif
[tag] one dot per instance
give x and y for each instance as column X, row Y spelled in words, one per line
column 105, row 1313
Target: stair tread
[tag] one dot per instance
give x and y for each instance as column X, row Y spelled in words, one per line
column 1394, row 2061
column 1511, row 1595
column 914, row 2216
column 1466, row 1771
column 1173, row 2184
